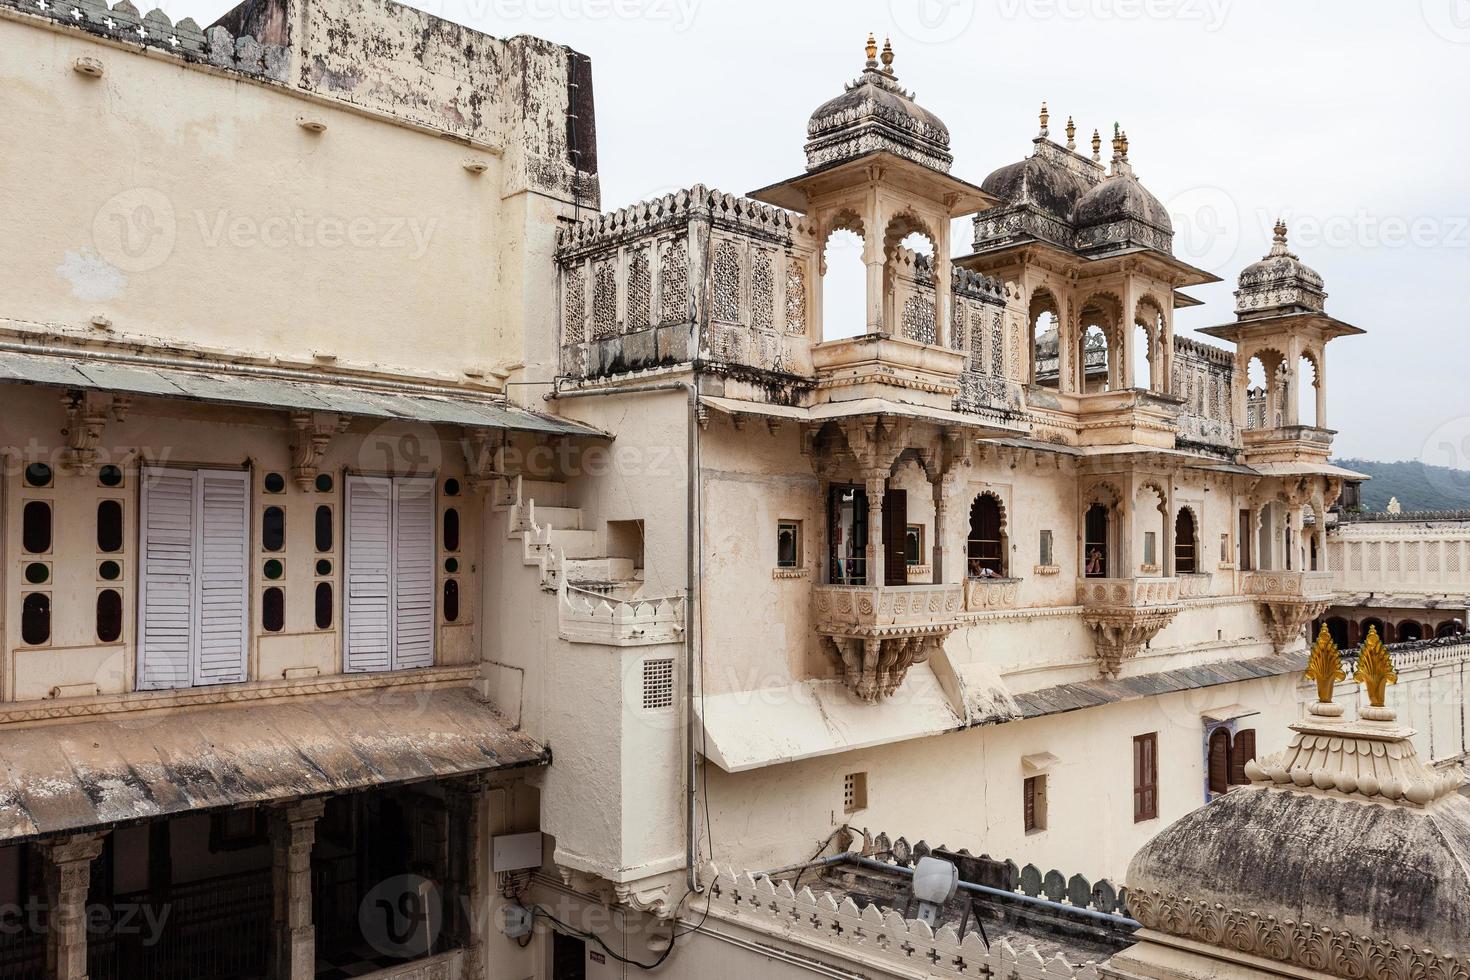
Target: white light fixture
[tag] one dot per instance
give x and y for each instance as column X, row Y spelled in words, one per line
column 90, row 67
column 935, row 882
column 312, row 124
column 476, row 165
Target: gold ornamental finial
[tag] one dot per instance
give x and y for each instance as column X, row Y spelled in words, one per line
column 1045, row 118
column 1096, row 147
column 1375, row 668
column 887, row 55
column 872, row 48
column 1071, row 134
column 1325, row 665
column 1125, row 146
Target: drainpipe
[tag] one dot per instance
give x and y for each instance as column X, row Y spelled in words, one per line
column 692, row 631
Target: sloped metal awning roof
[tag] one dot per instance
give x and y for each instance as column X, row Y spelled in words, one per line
column 297, row 392
column 65, row 777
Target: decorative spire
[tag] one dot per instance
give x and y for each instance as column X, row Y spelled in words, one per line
column 1375, row 668
column 872, row 50
column 1125, row 146
column 1045, row 118
column 888, row 55
column 1280, row 236
column 1096, row 147
column 1325, row 666
column 1071, row 134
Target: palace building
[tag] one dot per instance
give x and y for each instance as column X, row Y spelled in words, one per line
column 412, row 571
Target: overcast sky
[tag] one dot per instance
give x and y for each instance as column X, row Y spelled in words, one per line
column 1345, row 116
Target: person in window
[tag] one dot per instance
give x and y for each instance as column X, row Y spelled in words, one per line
column 1094, row 562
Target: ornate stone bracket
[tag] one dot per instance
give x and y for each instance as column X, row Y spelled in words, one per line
column 86, row 417
column 1118, row 634
column 873, row 667
column 316, row 430
column 657, row 895
column 878, row 633
column 1287, row 619
column 484, row 459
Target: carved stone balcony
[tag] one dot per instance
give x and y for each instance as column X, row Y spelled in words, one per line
column 1287, row 444
column 989, row 594
column 1289, row 601
column 879, row 632
column 880, row 366
column 1194, row 585
column 1125, row 614
column 1129, row 416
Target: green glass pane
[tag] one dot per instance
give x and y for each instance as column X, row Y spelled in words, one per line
column 37, row 572
column 451, row 565
column 323, row 567
column 110, row 570
column 274, row 569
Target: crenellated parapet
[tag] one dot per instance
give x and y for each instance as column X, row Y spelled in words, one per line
column 186, row 40
column 1203, row 379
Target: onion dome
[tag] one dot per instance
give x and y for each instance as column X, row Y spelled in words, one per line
column 1343, row 847
column 1279, row 283
column 1119, row 211
column 875, row 113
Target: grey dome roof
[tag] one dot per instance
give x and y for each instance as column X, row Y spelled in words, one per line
column 1040, row 182
column 1279, row 283
column 1120, row 198
column 875, row 113
column 1381, row 871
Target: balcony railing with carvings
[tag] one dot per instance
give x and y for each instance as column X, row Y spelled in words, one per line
column 1125, row 614
column 1289, row 601
column 1194, row 585
column 878, row 632
column 1128, row 416
column 1287, row 444
column 988, row 594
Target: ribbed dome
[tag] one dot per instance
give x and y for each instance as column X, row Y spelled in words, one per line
column 1121, row 198
column 874, row 113
column 1279, row 283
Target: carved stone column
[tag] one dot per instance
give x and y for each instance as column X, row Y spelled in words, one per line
column 68, row 872
column 876, row 486
column 941, row 528
column 292, row 833
column 1166, row 560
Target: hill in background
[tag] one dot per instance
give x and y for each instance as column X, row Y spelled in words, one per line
column 1418, row 487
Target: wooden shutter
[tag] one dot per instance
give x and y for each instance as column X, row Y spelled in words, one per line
column 1219, row 761
column 367, row 620
column 223, row 604
column 413, row 573
column 895, row 537
column 166, row 580
column 1145, row 777
column 1242, row 750
column 1030, row 805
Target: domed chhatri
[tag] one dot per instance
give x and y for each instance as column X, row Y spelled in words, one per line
column 1279, row 283
column 1060, row 196
column 875, row 113
column 1346, row 855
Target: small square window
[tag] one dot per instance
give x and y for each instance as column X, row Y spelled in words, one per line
column 1046, row 549
column 1034, row 816
column 914, row 544
column 788, row 544
column 854, row 792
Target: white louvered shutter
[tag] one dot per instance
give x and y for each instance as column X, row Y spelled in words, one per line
column 413, row 573
column 222, row 582
column 367, row 610
column 166, row 580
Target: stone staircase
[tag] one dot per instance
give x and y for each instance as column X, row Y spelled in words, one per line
column 599, row 596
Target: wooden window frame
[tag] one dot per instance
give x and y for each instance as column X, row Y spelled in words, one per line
column 1145, row 777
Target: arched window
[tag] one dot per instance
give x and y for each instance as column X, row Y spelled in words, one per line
column 1219, row 761
column 987, row 556
column 1409, row 631
column 1185, row 545
column 1095, row 542
column 1242, row 750
column 1337, row 628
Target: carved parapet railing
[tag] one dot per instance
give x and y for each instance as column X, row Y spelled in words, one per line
column 589, row 617
column 882, row 366
column 1125, row 614
column 1194, row 585
column 1290, row 601
column 985, row 594
column 878, row 632
column 1287, row 443
column 835, row 929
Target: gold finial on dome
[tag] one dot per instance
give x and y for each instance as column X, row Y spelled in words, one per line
column 1375, row 668
column 872, row 50
column 1125, row 146
column 1280, row 233
column 888, row 55
column 1045, row 119
column 1325, row 665
column 1096, row 147
column 1071, row 134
